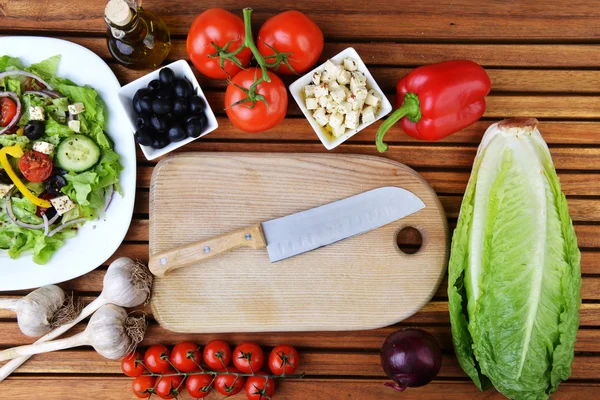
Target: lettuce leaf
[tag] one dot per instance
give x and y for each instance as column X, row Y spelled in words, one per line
column 7, row 63
column 45, row 69
column 514, row 274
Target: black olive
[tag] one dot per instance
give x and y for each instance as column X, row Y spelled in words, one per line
column 143, row 137
column 53, row 185
column 59, row 171
column 4, row 178
column 176, row 133
column 164, row 94
column 142, row 122
column 180, row 106
column 50, row 212
column 145, row 104
column 197, row 105
column 155, row 85
column 183, row 88
column 162, row 106
column 195, row 127
column 159, row 123
column 166, row 76
column 34, row 129
column 160, row 143
column 140, row 93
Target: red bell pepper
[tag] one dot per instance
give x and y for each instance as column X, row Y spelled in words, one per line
column 437, row 100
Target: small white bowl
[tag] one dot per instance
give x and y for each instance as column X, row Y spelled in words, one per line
column 297, row 91
column 181, row 69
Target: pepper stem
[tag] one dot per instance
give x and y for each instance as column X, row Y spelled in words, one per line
column 410, row 109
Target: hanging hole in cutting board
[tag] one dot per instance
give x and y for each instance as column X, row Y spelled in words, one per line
column 409, row 240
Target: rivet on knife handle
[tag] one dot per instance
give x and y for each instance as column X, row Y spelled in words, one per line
column 162, row 263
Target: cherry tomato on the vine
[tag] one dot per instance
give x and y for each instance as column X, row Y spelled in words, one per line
column 186, row 356
column 131, row 364
column 248, row 357
column 216, row 354
column 35, row 166
column 284, row 359
column 258, row 388
column 260, row 117
column 156, row 358
column 291, row 32
column 199, row 386
column 228, row 385
column 221, row 27
column 167, row 387
column 8, row 110
column 142, row 386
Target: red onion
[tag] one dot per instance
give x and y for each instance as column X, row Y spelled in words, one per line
column 27, row 74
column 411, row 358
column 49, row 94
column 110, row 198
column 14, row 121
column 13, row 218
column 63, row 226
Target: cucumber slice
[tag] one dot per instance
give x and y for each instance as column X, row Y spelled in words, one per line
column 77, row 153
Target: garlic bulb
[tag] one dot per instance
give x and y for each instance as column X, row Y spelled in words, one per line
column 127, row 283
column 111, row 332
column 37, row 312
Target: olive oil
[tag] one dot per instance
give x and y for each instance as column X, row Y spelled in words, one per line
column 137, row 38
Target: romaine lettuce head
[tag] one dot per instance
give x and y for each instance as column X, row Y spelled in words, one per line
column 514, row 274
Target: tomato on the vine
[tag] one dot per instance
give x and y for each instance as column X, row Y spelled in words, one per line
column 217, row 355
column 35, row 166
column 199, row 386
column 284, row 359
column 167, row 387
column 8, row 110
column 224, row 29
column 261, row 116
column 295, row 33
column 131, row 364
column 142, row 386
column 157, row 358
column 258, row 388
column 229, row 385
column 248, row 357
column 185, row 356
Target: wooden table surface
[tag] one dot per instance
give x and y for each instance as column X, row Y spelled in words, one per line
column 543, row 57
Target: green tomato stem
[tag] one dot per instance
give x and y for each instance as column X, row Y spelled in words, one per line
column 410, row 109
column 249, row 43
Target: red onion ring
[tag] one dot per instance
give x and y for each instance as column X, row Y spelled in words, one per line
column 27, row 74
column 15, row 120
column 112, row 194
column 48, row 94
column 14, row 219
column 63, row 226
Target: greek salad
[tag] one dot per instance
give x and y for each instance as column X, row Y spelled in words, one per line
column 58, row 168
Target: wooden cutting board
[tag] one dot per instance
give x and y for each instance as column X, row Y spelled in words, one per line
column 363, row 282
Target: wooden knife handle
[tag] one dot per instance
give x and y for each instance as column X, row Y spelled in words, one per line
column 163, row 263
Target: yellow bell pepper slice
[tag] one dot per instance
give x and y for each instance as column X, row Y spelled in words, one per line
column 17, row 151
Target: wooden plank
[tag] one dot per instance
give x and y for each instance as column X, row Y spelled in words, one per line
column 446, row 20
column 116, row 388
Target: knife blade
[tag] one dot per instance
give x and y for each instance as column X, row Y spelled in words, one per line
column 304, row 231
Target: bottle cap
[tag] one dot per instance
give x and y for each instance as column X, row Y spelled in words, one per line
column 118, row 12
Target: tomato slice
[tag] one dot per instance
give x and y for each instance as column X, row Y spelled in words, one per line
column 35, row 166
column 8, row 110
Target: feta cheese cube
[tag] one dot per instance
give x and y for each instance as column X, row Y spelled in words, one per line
column 333, row 85
column 332, row 69
column 331, row 105
column 309, row 91
column 373, row 98
column 350, row 64
column 4, row 189
column 344, row 108
column 356, row 103
column 312, row 103
column 62, row 204
column 37, row 113
column 368, row 115
column 351, row 121
column 357, row 81
column 75, row 125
column 346, row 90
column 76, row 108
column 339, row 131
column 316, row 78
column 361, row 93
column 336, row 120
column 343, row 77
column 321, row 117
column 338, row 95
column 326, row 77
column 321, row 90
column 324, row 100
column 44, row 147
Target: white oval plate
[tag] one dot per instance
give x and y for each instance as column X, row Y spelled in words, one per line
column 97, row 240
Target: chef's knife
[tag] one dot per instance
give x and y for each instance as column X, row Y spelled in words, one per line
column 301, row 232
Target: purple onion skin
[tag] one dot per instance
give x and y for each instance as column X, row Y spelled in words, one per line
column 411, row 358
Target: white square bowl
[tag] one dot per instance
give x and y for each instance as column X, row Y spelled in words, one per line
column 182, row 70
column 297, row 91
